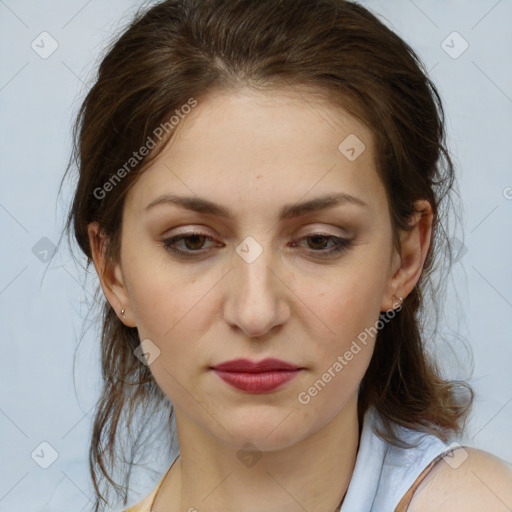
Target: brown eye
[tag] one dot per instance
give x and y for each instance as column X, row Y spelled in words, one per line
column 192, row 243
column 319, row 241
column 318, row 244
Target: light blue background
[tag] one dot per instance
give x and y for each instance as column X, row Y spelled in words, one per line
column 41, row 318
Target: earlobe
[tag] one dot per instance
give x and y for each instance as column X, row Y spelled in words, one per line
column 415, row 244
column 109, row 274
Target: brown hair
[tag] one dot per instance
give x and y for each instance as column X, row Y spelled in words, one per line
column 182, row 49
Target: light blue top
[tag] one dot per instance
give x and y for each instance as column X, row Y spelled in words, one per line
column 383, row 473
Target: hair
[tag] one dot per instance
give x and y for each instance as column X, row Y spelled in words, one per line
column 178, row 50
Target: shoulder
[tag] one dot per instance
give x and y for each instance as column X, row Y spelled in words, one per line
column 468, row 480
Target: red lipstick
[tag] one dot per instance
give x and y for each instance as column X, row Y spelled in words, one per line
column 256, row 376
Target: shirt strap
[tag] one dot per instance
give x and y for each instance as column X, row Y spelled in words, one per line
column 403, row 506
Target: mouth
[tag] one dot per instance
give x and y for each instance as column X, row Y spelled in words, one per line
column 256, row 376
column 248, row 366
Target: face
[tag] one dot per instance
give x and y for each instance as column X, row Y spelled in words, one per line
column 245, row 272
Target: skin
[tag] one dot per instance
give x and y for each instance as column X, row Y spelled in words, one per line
column 255, row 152
column 481, row 482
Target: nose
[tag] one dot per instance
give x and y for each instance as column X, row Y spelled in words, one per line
column 256, row 297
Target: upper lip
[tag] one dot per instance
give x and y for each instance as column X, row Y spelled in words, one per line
column 246, row 365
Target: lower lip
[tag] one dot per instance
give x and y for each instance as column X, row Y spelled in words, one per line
column 262, row 382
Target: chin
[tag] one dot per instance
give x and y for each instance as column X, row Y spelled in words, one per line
column 268, row 431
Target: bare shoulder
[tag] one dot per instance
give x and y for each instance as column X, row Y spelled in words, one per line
column 470, row 480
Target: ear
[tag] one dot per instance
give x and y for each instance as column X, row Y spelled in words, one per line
column 110, row 275
column 406, row 267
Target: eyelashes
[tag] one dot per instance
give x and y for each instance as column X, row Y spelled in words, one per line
column 340, row 244
column 192, row 240
column 170, row 244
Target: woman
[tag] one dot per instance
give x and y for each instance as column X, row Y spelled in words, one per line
column 260, row 190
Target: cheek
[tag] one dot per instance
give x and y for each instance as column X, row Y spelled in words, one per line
column 175, row 313
column 170, row 308
column 345, row 335
column 348, row 305
column 342, row 353
column 164, row 294
column 174, row 307
column 350, row 299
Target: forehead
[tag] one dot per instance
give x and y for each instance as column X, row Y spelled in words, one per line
column 264, row 149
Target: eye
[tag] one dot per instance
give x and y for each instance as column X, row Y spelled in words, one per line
column 193, row 244
column 319, row 241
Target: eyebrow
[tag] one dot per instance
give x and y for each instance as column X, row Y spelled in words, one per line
column 201, row 205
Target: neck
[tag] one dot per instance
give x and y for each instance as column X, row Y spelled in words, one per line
column 311, row 474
